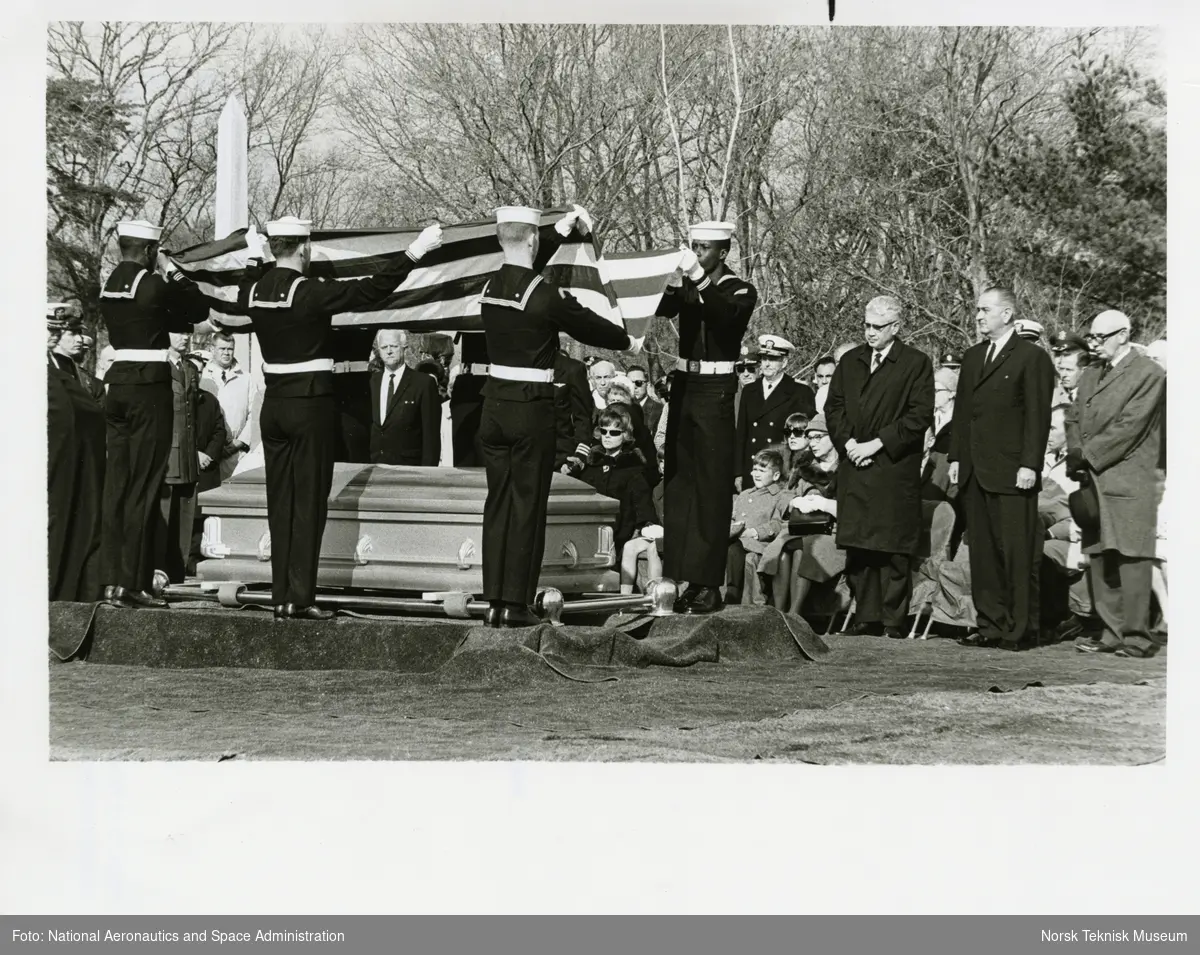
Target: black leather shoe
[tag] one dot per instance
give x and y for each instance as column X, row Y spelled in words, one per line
column 874, row 629
column 514, row 617
column 979, row 640
column 707, row 600
column 1135, row 653
column 283, row 611
column 119, row 597
column 894, row 633
column 311, row 612
column 143, row 599
column 684, row 600
column 493, row 617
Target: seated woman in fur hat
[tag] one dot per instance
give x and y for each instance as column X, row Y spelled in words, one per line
column 616, row 468
column 797, row 561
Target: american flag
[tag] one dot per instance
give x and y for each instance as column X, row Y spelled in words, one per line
column 443, row 293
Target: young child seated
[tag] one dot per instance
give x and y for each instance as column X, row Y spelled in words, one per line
column 616, row 469
column 757, row 519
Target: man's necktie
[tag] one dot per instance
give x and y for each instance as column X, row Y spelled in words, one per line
column 991, row 354
column 391, row 391
column 875, row 359
column 224, row 377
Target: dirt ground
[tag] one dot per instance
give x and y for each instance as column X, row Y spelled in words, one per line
column 872, row 700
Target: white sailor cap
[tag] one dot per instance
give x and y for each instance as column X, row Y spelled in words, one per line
column 139, row 229
column 711, row 231
column 772, row 346
column 521, row 214
column 1028, row 328
column 290, row 225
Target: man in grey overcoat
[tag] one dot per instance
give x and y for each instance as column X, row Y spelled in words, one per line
column 1113, row 439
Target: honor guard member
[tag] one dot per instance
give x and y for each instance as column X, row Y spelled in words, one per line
column 292, row 315
column 766, row 405
column 466, row 398
column 140, row 308
column 522, row 316
column 714, row 308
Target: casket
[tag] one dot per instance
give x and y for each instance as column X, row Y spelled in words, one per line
column 410, row 529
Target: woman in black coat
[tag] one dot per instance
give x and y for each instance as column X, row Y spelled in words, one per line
column 616, row 469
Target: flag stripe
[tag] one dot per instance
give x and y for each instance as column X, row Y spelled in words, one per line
column 444, row 290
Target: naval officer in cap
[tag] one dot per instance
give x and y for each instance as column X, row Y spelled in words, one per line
column 139, row 308
column 522, row 317
column 714, row 307
column 766, row 405
column 292, row 315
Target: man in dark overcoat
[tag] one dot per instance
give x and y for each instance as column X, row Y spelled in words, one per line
column 766, row 405
column 1114, row 436
column 879, row 405
column 997, row 448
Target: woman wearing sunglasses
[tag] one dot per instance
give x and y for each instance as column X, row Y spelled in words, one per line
column 616, row 469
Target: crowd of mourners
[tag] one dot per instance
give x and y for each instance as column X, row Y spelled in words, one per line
column 1098, row 577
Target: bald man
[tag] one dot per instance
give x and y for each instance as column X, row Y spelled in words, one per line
column 1114, row 436
column 997, row 446
column 602, row 375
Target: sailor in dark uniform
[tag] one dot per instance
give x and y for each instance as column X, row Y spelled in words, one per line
column 714, row 308
column 292, row 316
column 75, row 473
column 139, row 309
column 522, row 316
column 466, row 397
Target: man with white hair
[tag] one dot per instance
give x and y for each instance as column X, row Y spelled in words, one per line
column 714, row 308
column 405, row 408
column 879, row 407
column 602, row 374
column 997, row 447
column 1114, row 437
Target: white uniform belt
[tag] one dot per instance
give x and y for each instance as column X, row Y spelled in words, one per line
column 346, row 367
column 139, row 354
column 297, row 367
column 704, row 367
column 509, row 373
column 475, row 369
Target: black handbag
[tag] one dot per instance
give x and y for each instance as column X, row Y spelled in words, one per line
column 814, row 522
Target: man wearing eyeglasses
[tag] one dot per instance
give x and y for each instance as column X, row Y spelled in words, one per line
column 1114, row 437
column 879, row 406
column 997, row 445
column 639, row 380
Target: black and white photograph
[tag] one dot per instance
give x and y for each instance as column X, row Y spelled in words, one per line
column 469, row 384
column 603, row 397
